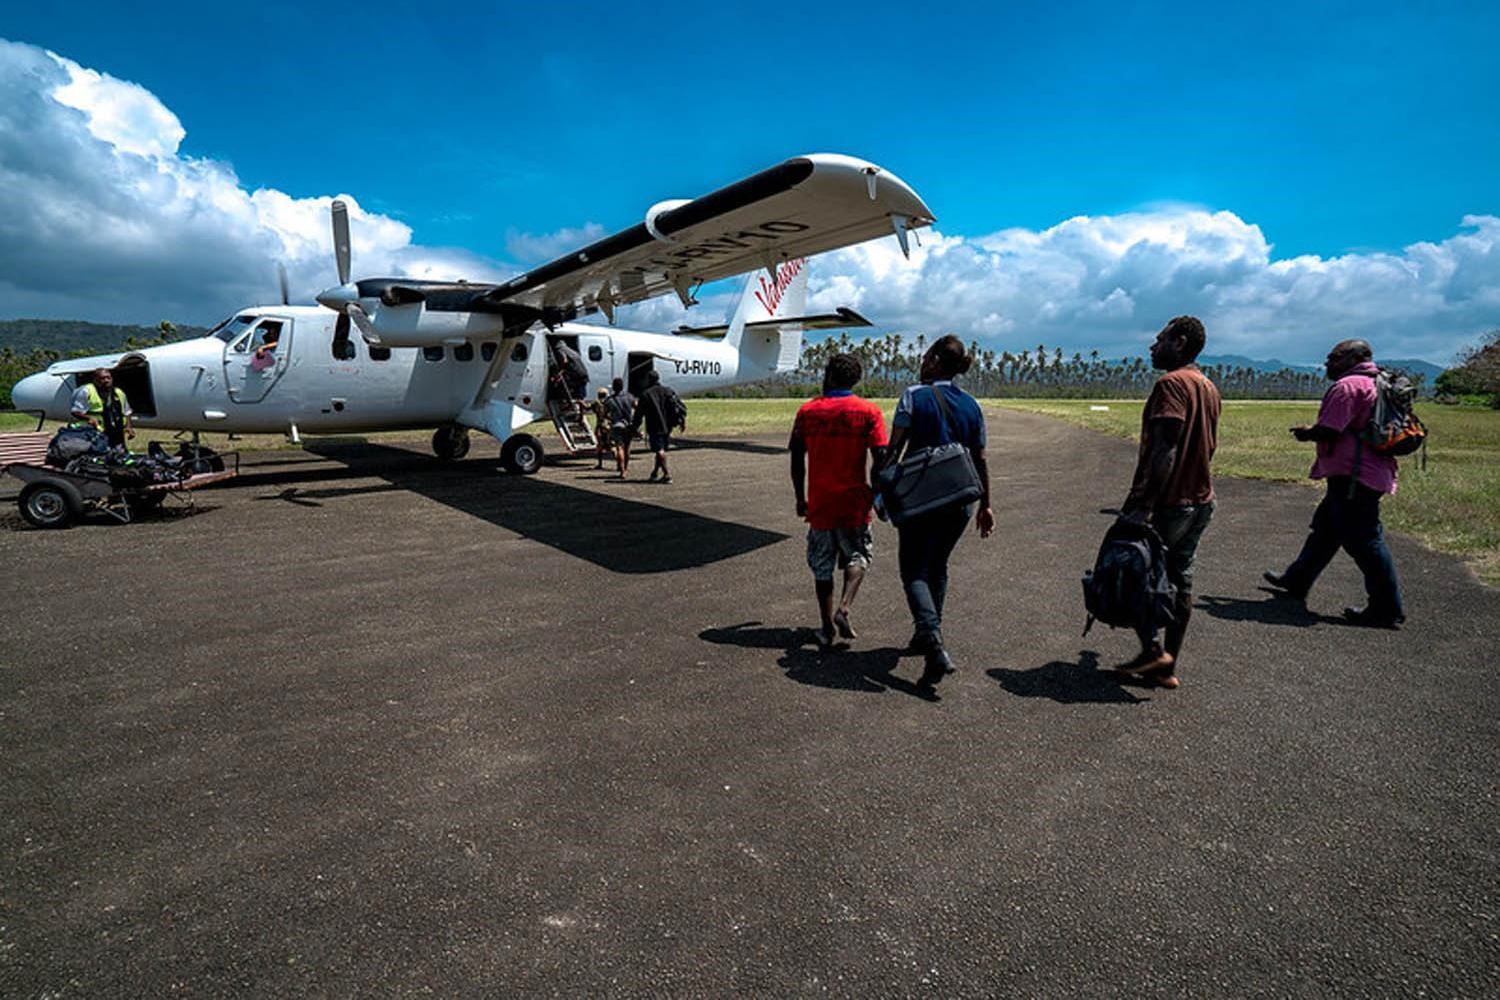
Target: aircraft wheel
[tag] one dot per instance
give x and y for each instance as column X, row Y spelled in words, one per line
column 450, row 443
column 49, row 505
column 521, row 453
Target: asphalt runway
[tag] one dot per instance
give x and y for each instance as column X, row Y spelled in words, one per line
column 368, row 725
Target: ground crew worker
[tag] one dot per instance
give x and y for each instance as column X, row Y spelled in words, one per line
column 100, row 405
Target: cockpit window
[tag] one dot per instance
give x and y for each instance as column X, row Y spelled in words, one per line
column 230, row 330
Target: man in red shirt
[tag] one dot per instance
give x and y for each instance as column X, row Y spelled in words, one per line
column 833, row 441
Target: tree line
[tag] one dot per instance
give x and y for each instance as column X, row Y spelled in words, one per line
column 891, row 364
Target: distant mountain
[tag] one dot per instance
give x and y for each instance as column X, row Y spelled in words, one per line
column 66, row 336
column 1412, row 366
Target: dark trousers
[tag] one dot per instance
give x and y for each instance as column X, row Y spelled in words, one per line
column 926, row 542
column 1181, row 529
column 1349, row 521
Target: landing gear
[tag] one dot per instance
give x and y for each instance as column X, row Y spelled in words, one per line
column 196, row 458
column 450, row 442
column 521, row 453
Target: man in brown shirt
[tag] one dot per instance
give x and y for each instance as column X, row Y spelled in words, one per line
column 1172, row 489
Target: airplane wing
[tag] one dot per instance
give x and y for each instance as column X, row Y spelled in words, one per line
column 842, row 319
column 804, row 206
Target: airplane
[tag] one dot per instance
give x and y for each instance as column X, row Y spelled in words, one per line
column 461, row 356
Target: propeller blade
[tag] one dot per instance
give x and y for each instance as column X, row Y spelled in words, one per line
column 286, row 298
column 341, row 328
column 340, row 213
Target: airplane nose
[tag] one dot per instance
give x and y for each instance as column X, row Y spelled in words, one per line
column 35, row 392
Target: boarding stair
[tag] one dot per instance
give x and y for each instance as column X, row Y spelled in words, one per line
column 572, row 423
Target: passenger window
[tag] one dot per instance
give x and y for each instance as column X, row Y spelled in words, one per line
column 463, row 352
column 344, row 350
column 380, row 353
column 596, row 353
column 487, row 351
column 433, row 353
column 519, row 353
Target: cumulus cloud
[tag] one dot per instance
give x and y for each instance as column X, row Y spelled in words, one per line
column 1110, row 282
column 102, row 217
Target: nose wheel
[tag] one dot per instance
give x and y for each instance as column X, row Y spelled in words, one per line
column 450, row 443
column 521, row 453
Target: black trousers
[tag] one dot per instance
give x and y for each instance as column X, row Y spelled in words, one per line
column 1350, row 520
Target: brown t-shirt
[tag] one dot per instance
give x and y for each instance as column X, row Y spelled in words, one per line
column 1184, row 394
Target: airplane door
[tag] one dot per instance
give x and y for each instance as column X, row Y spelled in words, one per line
column 254, row 361
column 598, row 357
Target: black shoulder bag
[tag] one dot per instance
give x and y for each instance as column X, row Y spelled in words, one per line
column 930, row 479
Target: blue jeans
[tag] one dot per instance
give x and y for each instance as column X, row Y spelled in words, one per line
column 1350, row 521
column 926, row 542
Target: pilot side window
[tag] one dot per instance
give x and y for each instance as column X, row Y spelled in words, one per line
column 433, row 353
column 267, row 335
column 487, row 351
column 380, row 353
column 463, row 352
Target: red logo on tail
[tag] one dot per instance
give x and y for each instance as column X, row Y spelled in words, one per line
column 769, row 295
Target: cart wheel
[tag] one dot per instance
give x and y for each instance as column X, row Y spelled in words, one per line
column 48, row 505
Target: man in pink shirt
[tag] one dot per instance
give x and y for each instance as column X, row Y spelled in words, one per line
column 1349, row 516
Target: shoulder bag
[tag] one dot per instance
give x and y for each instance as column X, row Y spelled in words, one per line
column 930, row 479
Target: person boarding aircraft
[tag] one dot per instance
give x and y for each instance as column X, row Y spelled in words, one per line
column 463, row 356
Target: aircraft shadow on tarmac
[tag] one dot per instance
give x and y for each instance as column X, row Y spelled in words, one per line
column 742, row 447
column 1079, row 683
column 841, row 668
column 618, row 534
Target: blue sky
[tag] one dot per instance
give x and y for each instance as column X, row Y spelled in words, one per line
column 1329, row 129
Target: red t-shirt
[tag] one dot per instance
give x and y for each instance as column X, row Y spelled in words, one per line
column 838, row 430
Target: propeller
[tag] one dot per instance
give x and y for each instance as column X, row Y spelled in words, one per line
column 286, row 298
column 344, row 296
column 340, row 213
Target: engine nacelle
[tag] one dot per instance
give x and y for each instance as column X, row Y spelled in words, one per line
column 414, row 326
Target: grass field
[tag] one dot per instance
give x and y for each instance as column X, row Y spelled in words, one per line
column 1453, row 506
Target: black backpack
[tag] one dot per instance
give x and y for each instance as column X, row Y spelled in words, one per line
column 677, row 406
column 1128, row 586
column 1393, row 428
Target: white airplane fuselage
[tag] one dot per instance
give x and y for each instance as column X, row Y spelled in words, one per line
column 211, row 384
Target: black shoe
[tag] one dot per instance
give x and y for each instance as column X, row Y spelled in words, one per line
column 939, row 665
column 924, row 642
column 1278, row 580
column 1370, row 619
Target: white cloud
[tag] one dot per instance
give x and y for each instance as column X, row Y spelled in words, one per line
column 1110, row 282
column 101, row 217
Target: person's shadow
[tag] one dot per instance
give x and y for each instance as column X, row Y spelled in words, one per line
column 1069, row 683
column 1277, row 609
column 840, row 668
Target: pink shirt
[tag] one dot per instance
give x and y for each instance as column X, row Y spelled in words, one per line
column 1347, row 406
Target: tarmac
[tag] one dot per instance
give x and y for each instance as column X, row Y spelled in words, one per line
column 366, row 724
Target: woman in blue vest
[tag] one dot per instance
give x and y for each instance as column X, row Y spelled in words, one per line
column 927, row 540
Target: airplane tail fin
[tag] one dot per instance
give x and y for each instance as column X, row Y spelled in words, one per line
column 776, row 348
